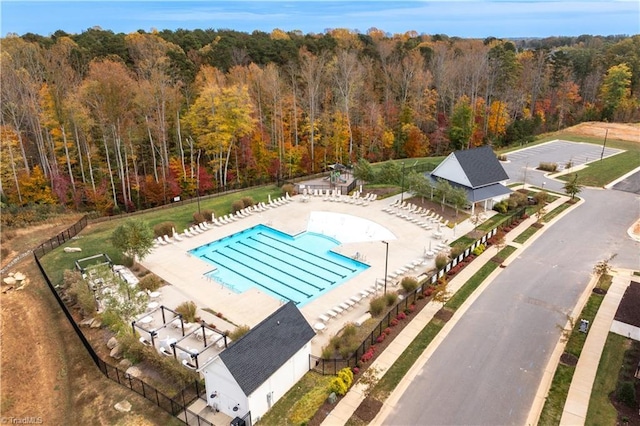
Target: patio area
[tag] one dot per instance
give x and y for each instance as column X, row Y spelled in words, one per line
column 367, row 231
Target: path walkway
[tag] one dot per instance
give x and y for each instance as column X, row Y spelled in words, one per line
column 577, row 403
column 347, row 405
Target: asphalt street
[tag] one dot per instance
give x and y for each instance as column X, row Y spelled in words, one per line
column 487, row 370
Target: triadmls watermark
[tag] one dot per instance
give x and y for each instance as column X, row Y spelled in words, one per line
column 27, row 420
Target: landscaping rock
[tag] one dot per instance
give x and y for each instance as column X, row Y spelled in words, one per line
column 96, row 323
column 134, row 371
column 86, row 322
column 332, row 398
column 123, row 406
column 112, row 343
column 124, row 364
column 116, row 352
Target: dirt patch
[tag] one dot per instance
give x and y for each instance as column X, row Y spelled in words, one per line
column 625, row 132
column 628, row 311
column 46, row 372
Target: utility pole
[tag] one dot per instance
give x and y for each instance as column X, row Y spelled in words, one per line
column 606, row 132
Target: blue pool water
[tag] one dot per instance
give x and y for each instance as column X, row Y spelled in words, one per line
column 297, row 268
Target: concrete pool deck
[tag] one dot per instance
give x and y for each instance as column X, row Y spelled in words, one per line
column 362, row 230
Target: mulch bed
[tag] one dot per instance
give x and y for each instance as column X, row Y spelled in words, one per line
column 568, row 359
column 628, row 311
column 368, row 409
column 598, row 290
column 326, row 408
column 444, row 314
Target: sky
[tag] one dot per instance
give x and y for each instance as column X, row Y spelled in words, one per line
column 474, row 19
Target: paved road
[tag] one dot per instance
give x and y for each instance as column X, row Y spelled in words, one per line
column 487, row 370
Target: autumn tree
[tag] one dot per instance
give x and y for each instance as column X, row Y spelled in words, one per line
column 461, row 126
column 615, row 92
column 573, row 187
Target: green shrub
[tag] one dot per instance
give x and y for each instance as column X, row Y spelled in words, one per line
column 517, row 199
column 164, row 228
column 187, row 310
column 327, row 352
column 502, row 157
column 548, row 167
column 391, row 298
column 127, row 261
column 240, row 331
column 441, row 261
column 479, row 250
column 248, row 201
column 81, row 294
column 347, row 376
column 457, row 250
column 150, row 282
column 207, row 214
column 114, row 322
column 409, row 284
column 198, row 217
column 349, row 330
column 338, row 386
column 132, row 349
column 305, row 408
column 626, row 393
column 69, row 277
column 501, row 207
column 376, row 306
column 237, row 206
column 288, row 188
column 335, row 342
column 346, row 350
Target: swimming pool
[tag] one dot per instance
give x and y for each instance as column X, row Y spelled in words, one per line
column 297, row 268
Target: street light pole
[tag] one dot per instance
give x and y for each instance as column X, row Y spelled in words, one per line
column 386, row 264
column 402, row 185
column 198, row 181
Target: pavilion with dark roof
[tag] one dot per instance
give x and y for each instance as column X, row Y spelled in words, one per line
column 259, row 368
column 478, row 172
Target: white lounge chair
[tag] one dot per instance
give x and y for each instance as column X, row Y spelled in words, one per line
column 324, row 318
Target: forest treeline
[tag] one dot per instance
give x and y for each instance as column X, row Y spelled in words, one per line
column 119, row 122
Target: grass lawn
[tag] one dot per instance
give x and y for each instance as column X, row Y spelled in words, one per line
column 554, row 404
column 602, row 172
column 577, row 339
column 555, row 212
column 392, row 377
column 474, row 282
column 557, row 396
column 94, row 238
column 526, row 234
column 600, row 411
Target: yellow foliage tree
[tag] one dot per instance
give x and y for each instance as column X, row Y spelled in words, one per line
column 498, row 118
column 35, row 188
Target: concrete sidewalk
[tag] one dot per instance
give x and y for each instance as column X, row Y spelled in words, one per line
column 347, row 405
column 577, row 403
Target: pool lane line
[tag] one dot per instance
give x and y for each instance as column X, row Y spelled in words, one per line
column 311, row 263
column 253, row 269
column 253, row 281
column 273, row 267
column 307, row 252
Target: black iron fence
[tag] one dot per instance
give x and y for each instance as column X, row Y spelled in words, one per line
column 61, row 238
column 331, row 366
column 177, row 405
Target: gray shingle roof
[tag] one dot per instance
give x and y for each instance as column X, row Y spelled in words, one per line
column 267, row 347
column 481, row 166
